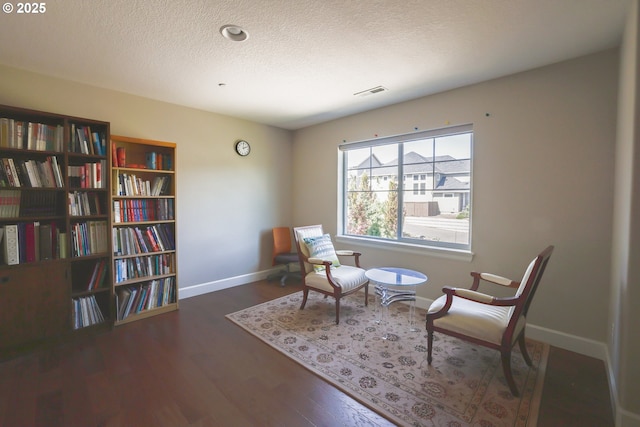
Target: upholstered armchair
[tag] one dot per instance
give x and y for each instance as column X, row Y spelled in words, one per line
column 494, row 322
column 321, row 268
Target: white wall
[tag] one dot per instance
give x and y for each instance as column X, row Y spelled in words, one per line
column 624, row 348
column 543, row 174
column 226, row 205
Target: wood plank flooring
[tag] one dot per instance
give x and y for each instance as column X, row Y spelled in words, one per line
column 195, row 368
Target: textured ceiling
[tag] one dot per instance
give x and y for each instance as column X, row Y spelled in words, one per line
column 304, row 59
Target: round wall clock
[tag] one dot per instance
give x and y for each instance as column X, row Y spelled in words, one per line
column 242, row 147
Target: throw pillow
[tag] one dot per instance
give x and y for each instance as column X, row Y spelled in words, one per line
column 322, row 247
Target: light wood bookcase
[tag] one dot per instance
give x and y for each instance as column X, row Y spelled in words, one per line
column 143, row 224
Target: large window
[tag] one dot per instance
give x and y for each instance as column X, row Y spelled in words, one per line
column 424, row 198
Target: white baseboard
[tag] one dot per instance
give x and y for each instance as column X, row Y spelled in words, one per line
column 218, row 285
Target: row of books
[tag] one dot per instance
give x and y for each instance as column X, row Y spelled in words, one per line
column 32, row 241
column 143, row 210
column 15, row 203
column 144, row 266
column 10, row 203
column 30, row 136
column 159, row 161
column 98, row 275
column 140, row 240
column 84, row 203
column 31, row 173
column 86, row 141
column 136, row 298
column 89, row 238
column 88, row 175
column 154, row 160
column 86, row 312
column 131, row 185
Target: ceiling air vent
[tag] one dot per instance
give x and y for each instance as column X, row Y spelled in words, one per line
column 371, row 91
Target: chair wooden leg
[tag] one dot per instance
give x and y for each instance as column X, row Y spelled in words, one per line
column 337, row 310
column 506, row 367
column 366, row 295
column 305, row 294
column 429, row 345
column 523, row 349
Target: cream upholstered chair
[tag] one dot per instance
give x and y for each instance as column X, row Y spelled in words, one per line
column 321, row 268
column 487, row 320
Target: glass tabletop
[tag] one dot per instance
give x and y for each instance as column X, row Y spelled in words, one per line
column 395, row 276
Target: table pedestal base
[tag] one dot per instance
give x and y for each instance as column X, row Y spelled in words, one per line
column 386, row 295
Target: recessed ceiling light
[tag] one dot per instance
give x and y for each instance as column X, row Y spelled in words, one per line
column 234, row 33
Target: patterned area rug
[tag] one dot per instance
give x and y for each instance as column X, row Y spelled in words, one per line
column 464, row 386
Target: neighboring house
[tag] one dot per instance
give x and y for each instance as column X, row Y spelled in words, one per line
column 433, row 185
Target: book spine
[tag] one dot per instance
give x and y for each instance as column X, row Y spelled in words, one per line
column 121, row 156
column 11, row 245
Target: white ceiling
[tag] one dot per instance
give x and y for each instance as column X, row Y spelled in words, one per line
column 304, row 59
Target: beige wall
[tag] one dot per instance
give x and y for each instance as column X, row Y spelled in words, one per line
column 542, row 171
column 624, row 348
column 227, row 205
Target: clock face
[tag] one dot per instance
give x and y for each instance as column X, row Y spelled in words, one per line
column 243, row 148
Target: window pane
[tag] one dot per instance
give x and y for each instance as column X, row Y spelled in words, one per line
column 418, row 151
column 456, row 146
column 358, row 159
column 435, row 186
column 372, row 196
column 424, row 221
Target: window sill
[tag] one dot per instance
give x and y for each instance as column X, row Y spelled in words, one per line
column 448, row 253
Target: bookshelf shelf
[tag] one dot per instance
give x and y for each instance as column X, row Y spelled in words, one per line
column 143, row 279
column 147, row 313
column 45, row 276
column 143, row 221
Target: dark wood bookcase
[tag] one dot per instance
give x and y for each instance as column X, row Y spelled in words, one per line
column 143, row 220
column 55, row 268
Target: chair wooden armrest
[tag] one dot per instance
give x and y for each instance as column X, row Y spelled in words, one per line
column 492, row 278
column 479, row 296
column 318, row 261
column 356, row 255
column 327, row 268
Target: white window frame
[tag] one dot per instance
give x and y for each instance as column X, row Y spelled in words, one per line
column 446, row 249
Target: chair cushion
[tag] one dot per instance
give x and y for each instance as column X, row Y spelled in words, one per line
column 346, row 276
column 286, row 258
column 322, row 247
column 474, row 319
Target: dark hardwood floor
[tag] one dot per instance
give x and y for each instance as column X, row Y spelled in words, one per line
column 195, row 368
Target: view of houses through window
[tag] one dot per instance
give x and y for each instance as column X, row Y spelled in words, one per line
column 424, row 198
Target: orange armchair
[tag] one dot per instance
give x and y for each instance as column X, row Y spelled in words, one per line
column 282, row 255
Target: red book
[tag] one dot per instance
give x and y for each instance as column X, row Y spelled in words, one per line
column 121, row 156
column 30, row 241
column 114, row 156
column 99, row 175
column 152, row 240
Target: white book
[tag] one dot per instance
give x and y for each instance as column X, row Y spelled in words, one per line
column 11, row 245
